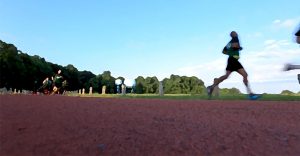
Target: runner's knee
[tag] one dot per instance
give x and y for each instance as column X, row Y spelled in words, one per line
column 245, row 76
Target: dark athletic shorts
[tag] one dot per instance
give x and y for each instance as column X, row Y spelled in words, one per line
column 233, row 64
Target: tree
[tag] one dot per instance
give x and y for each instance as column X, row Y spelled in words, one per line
column 22, row 71
column 183, row 85
column 71, row 74
column 232, row 91
column 84, row 78
column 287, row 92
column 140, row 85
column 151, row 85
column 108, row 81
column 12, row 69
column 196, row 85
column 172, row 85
column 95, row 82
column 38, row 69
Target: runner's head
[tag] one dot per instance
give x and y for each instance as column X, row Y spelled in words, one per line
column 233, row 34
column 59, row 71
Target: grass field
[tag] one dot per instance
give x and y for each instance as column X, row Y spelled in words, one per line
column 265, row 97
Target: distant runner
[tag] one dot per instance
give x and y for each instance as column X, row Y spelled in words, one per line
column 46, row 87
column 58, row 82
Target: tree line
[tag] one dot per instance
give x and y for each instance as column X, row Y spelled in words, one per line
column 19, row 70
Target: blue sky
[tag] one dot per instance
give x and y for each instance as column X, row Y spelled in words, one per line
column 160, row 37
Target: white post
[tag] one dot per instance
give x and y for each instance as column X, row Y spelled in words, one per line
column 161, row 89
column 91, row 91
column 103, row 89
column 123, row 89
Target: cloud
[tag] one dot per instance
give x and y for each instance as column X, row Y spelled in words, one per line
column 276, row 21
column 206, row 71
column 255, row 35
column 289, row 24
column 266, row 65
column 276, row 50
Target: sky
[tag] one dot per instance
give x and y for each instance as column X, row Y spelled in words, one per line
column 134, row 38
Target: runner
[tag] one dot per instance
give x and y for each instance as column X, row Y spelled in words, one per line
column 232, row 49
column 292, row 66
column 57, row 81
column 46, row 87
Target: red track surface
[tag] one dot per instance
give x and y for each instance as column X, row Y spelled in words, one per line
column 58, row 125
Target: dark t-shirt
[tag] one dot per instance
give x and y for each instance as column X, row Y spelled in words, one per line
column 58, row 79
column 234, row 52
column 234, row 40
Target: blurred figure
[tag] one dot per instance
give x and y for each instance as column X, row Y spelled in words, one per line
column 232, row 49
column 298, row 36
column 57, row 83
column 291, row 66
column 288, row 67
column 46, row 87
column 64, row 87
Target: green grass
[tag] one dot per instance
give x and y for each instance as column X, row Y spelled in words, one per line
column 265, row 97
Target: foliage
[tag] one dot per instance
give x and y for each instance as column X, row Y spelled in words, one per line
column 108, row 81
column 232, row 91
column 173, row 85
column 287, row 92
column 183, row 85
column 95, row 82
column 22, row 71
column 84, row 79
column 140, row 85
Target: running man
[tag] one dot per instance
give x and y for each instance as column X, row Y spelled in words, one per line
column 46, row 87
column 57, row 80
column 232, row 49
column 292, row 66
